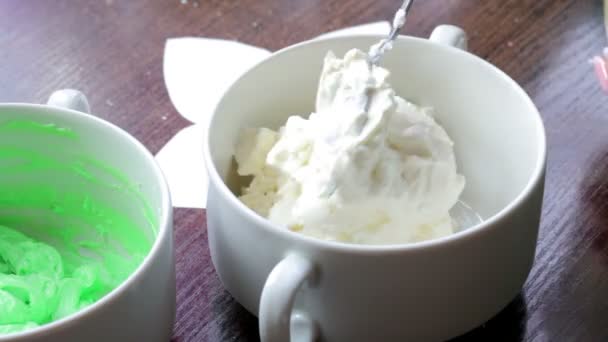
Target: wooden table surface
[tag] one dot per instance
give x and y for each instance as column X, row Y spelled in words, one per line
column 112, row 50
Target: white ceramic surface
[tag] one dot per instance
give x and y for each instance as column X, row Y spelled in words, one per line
column 143, row 307
column 428, row 291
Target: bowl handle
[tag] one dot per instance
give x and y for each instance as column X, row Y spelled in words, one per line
column 276, row 316
column 450, row 35
column 70, row 99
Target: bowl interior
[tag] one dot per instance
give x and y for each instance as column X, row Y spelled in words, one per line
column 497, row 132
column 79, row 185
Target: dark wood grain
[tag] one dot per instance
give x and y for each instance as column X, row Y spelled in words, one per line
column 112, row 50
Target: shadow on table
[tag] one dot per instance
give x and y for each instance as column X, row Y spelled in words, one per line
column 235, row 323
column 579, row 305
column 594, row 204
column 508, row 325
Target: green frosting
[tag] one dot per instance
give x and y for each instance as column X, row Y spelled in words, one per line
column 69, row 242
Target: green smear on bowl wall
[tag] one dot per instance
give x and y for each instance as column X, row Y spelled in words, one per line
column 66, row 236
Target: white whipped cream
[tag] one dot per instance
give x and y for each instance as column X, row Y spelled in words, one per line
column 367, row 167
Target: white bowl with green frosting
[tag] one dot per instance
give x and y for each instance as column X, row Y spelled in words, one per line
column 86, row 250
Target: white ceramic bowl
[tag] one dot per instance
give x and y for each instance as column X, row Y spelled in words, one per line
column 426, row 291
column 142, row 308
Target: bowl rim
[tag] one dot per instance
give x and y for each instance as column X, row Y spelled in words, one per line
column 534, row 181
column 165, row 220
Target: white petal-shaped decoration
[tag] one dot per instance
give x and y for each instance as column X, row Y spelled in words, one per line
column 182, row 163
column 198, row 71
